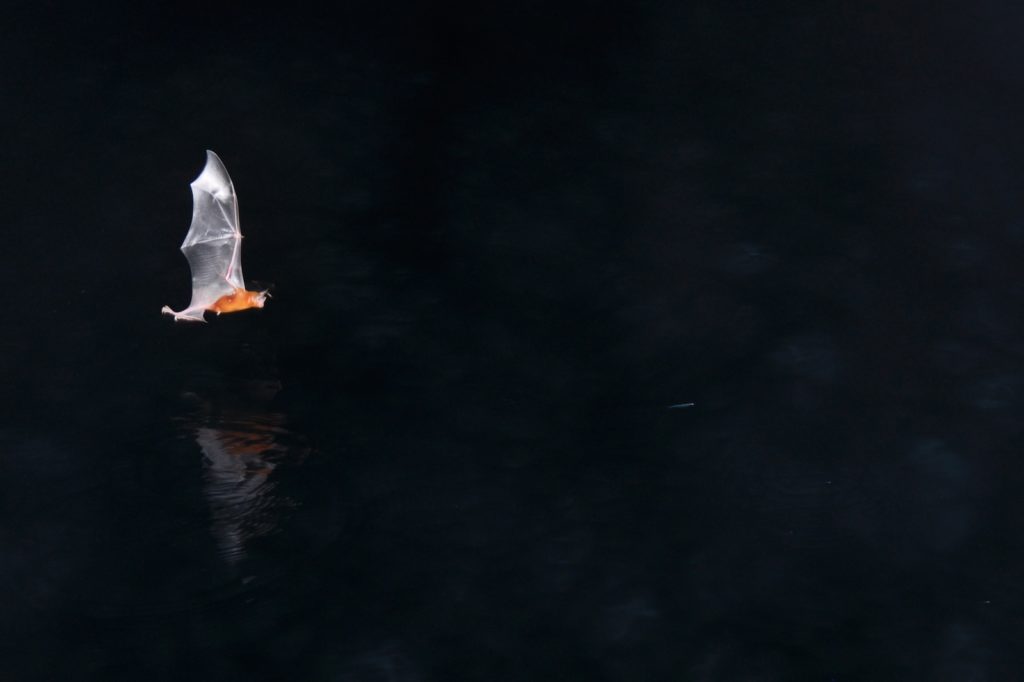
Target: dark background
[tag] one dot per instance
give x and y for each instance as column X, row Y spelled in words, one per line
column 503, row 240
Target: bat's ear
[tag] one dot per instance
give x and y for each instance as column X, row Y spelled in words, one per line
column 264, row 288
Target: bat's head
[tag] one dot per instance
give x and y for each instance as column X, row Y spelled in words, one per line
column 259, row 298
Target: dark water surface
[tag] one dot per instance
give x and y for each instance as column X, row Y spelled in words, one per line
column 504, row 241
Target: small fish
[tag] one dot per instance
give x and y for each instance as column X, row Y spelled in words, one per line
column 680, row 406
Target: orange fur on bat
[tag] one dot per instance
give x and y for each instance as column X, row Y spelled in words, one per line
column 240, row 299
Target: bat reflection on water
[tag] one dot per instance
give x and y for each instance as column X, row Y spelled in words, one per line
column 240, row 453
column 213, row 247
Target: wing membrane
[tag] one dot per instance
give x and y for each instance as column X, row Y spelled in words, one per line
column 213, row 245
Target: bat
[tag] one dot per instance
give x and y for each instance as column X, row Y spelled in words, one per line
column 213, row 247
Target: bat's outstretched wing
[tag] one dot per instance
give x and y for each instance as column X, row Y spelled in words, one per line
column 213, row 245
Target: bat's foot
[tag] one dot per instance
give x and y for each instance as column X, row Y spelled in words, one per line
column 186, row 315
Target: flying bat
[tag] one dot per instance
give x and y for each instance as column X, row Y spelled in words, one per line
column 213, row 247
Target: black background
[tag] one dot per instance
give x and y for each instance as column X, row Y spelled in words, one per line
column 503, row 240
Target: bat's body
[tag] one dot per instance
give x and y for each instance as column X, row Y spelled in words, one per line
column 213, row 247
